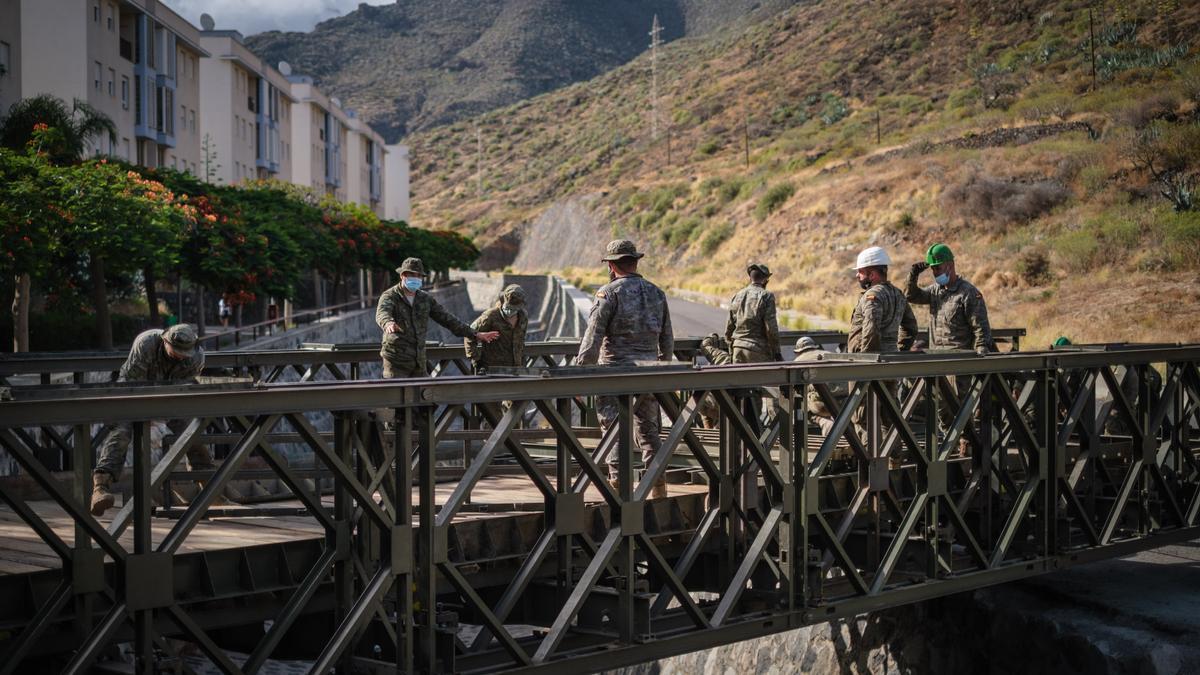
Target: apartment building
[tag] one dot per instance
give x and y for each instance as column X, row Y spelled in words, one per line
column 320, row 134
column 247, row 112
column 365, row 165
column 136, row 61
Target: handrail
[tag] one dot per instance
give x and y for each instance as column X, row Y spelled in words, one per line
column 269, row 325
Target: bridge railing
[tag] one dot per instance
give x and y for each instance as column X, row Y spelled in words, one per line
column 935, row 474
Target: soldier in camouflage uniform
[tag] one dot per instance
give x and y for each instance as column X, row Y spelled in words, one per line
column 510, row 321
column 403, row 312
column 808, row 351
column 958, row 316
column 157, row 357
column 629, row 322
column 882, row 320
column 753, row 328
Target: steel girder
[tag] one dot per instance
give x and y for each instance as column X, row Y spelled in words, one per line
column 1068, row 457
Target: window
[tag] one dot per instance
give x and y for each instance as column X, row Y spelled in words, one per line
column 112, row 83
column 96, row 12
column 125, row 92
column 192, row 121
column 5, row 55
column 98, row 74
column 112, row 16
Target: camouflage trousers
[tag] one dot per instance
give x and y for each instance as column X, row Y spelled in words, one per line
column 116, row 447
column 743, row 355
column 398, row 369
column 647, row 424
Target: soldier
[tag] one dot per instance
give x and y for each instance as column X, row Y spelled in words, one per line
column 510, row 321
column 958, row 317
column 629, row 322
column 403, row 313
column 807, row 350
column 719, row 353
column 753, row 329
column 158, row 357
column 882, row 320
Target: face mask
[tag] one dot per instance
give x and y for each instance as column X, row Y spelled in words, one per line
column 865, row 284
column 507, row 311
column 942, row 279
column 413, row 284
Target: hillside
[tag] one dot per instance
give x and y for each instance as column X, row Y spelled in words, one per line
column 417, row 64
column 892, row 123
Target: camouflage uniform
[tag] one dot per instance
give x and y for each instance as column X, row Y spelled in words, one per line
column 958, row 317
column 753, row 329
column 149, row 362
column 717, row 351
column 629, row 322
column 403, row 352
column 509, row 348
column 882, row 321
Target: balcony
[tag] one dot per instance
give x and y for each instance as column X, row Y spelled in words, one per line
column 126, row 50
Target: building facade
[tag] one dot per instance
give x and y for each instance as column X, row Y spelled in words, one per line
column 195, row 100
column 247, row 113
column 136, row 61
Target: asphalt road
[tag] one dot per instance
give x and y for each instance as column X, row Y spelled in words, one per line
column 692, row 319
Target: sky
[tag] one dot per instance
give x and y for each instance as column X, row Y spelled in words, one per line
column 255, row 16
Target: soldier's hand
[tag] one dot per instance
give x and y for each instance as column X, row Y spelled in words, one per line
column 487, row 336
column 392, row 327
column 919, row 267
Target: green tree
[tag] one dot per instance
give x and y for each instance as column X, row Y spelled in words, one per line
column 46, row 127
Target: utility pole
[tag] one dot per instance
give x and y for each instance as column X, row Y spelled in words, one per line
column 877, row 134
column 478, row 161
column 668, row 145
column 1092, row 44
column 746, row 132
column 655, row 41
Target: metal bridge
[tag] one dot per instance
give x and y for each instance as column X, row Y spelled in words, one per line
column 496, row 545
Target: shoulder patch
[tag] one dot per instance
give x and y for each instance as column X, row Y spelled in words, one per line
column 601, row 294
column 978, row 295
column 869, row 297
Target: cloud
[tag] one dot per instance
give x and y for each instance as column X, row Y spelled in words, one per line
column 256, row 16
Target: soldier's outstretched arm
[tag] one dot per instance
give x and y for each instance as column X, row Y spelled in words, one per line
column 470, row 344
column 908, row 329
column 912, row 287
column 598, row 318
column 448, row 321
column 385, row 309
column 666, row 339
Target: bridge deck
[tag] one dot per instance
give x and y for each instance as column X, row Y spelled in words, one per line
column 22, row 551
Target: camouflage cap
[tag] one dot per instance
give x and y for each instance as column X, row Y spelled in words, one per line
column 806, row 344
column 411, row 266
column 513, row 295
column 182, row 338
column 620, row 248
column 761, row 267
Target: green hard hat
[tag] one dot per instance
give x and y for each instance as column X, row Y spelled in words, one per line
column 1062, row 341
column 939, row 254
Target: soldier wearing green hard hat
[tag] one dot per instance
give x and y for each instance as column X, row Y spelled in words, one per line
column 958, row 317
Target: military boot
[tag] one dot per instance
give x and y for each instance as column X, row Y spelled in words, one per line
column 659, row 490
column 102, row 496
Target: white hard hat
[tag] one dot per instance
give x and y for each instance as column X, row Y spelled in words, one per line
column 874, row 256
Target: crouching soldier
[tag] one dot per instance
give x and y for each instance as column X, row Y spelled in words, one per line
column 509, row 320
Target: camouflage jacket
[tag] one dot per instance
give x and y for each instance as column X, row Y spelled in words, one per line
column 882, row 321
column 148, row 362
column 506, row 350
column 752, row 321
column 716, row 350
column 958, row 316
column 629, row 321
column 408, row 345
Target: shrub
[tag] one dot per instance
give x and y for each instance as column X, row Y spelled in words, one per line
column 988, row 198
column 775, row 197
column 1077, row 250
column 1181, row 239
column 709, row 147
column 835, row 109
column 1034, row 267
column 715, row 237
column 730, row 191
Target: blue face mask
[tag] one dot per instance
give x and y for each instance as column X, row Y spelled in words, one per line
column 942, row 279
column 413, row 284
